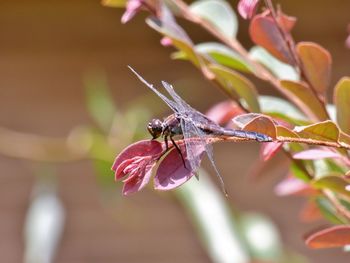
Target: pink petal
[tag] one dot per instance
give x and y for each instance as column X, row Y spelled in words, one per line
column 247, row 8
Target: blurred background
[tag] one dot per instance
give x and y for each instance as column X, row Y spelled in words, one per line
column 53, row 54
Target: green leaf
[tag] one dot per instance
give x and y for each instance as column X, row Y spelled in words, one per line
column 322, row 131
column 317, row 64
column 298, row 172
column 275, row 105
column 114, row 3
column 342, row 103
column 99, row 100
column 333, row 182
column 219, row 13
column 306, row 99
column 328, row 211
column 224, row 56
column 179, row 41
column 233, row 82
column 278, row 68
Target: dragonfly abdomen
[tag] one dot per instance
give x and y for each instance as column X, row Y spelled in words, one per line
column 243, row 134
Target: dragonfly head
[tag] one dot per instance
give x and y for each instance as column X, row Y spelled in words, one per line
column 155, row 128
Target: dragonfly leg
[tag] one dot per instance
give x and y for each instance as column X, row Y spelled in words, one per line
column 178, row 150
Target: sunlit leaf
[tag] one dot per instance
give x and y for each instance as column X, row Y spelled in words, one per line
column 322, row 131
column 264, row 32
column 224, row 56
column 306, row 99
column 333, row 182
column 114, row 3
column 317, row 64
column 342, row 103
column 219, row 13
column 278, row 68
column 275, row 105
column 263, row 125
column 298, row 172
column 180, row 41
column 232, row 81
column 335, row 236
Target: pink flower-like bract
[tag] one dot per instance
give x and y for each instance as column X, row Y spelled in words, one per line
column 247, row 8
column 135, row 164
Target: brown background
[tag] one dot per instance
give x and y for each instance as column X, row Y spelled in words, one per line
column 45, row 49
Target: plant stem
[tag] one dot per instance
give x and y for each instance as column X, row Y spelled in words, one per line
column 260, row 71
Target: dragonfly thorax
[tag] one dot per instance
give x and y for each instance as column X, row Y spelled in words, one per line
column 155, row 128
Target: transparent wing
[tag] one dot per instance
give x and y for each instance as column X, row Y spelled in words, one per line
column 169, row 102
column 196, row 139
column 181, row 104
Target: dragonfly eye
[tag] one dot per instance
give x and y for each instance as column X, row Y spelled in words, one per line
column 155, row 128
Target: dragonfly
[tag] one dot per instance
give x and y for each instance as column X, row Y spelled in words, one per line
column 193, row 126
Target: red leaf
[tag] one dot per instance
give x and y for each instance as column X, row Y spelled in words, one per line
column 140, row 148
column 268, row 150
column 336, row 236
column 310, row 212
column 317, row 63
column 265, row 32
column 171, row 173
column 223, row 112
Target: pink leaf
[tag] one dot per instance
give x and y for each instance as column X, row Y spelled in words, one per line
column 137, row 161
column 171, row 172
column 291, row 186
column 247, row 8
column 268, row 150
column 315, row 154
column 132, row 7
column 223, row 112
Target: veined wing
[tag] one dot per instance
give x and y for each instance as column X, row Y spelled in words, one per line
column 195, row 139
column 181, row 104
column 172, row 105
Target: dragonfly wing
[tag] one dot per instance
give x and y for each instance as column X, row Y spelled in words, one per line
column 183, row 106
column 195, row 144
column 196, row 139
column 169, row 102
